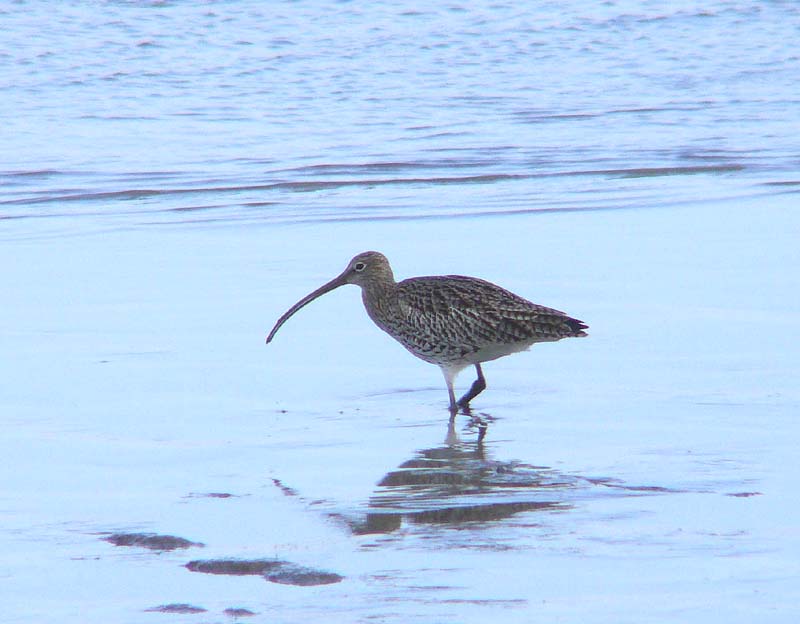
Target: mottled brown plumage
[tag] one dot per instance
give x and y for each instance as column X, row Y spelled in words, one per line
column 451, row 320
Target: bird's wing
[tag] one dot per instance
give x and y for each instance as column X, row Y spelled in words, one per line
column 476, row 313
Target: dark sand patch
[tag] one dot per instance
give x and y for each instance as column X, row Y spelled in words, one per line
column 211, row 495
column 300, row 576
column 238, row 612
column 152, row 541
column 274, row 570
column 284, row 488
column 177, row 607
column 235, row 567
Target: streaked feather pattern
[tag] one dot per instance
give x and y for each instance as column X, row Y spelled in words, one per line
column 446, row 319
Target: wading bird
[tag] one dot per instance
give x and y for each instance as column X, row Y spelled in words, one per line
column 450, row 320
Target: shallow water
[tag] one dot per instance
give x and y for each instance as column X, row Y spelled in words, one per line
column 174, row 176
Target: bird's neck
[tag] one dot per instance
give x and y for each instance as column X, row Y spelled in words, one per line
column 379, row 298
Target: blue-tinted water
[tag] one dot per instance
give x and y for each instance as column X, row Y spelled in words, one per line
column 174, row 175
column 139, row 112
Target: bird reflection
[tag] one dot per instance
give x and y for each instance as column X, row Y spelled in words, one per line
column 477, row 422
column 458, row 483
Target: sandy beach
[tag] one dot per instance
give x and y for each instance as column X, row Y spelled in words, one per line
column 645, row 469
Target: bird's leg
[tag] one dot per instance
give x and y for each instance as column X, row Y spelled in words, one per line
column 478, row 386
column 453, row 404
column 449, row 378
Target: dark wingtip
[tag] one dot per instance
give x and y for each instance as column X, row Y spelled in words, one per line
column 577, row 327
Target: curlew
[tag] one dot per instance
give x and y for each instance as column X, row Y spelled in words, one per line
column 450, row 320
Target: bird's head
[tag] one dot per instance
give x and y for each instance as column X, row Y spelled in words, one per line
column 366, row 269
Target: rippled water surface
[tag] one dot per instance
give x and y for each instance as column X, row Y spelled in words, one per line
column 174, row 175
column 180, row 112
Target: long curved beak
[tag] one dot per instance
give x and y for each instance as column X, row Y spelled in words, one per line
column 334, row 283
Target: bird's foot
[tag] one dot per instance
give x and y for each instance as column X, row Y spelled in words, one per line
column 461, row 407
column 464, row 407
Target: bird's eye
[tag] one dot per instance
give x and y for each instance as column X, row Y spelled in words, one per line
column 360, row 266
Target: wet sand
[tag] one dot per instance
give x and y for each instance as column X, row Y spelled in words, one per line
column 645, row 473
